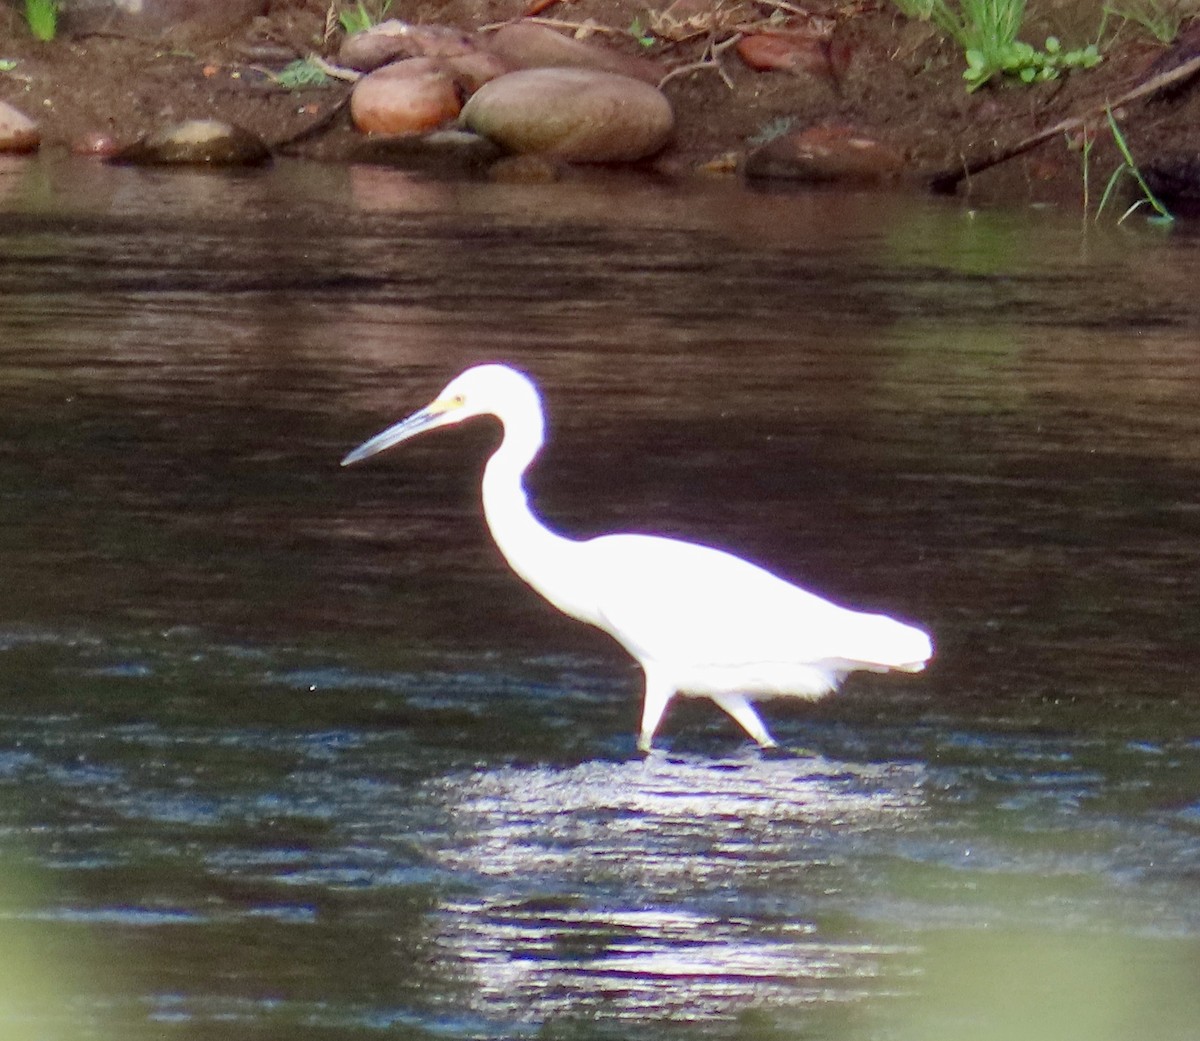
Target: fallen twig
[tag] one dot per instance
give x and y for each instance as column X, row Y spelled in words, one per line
column 710, row 59
column 556, row 23
column 336, row 72
column 948, row 180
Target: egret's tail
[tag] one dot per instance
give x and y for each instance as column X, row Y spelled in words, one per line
column 889, row 644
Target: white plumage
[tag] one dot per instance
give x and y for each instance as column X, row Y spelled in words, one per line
column 700, row 621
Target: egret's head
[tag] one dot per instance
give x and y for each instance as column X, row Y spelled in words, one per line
column 483, row 390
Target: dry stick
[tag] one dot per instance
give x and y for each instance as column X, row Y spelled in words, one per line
column 710, row 59
column 948, row 180
column 555, row 23
column 783, row 5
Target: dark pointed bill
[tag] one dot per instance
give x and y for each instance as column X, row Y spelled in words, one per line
column 426, row 419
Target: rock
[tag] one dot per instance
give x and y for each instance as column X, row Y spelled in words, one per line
column 184, row 19
column 18, row 133
column 800, row 53
column 391, row 40
column 525, row 46
column 572, row 114
column 200, row 142
column 824, row 155
column 444, row 153
column 472, row 71
column 407, row 97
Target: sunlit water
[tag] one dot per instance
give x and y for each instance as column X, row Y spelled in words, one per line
column 286, row 752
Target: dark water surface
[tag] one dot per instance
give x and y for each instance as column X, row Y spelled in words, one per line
column 286, row 752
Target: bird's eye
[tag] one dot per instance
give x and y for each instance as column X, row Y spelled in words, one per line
column 457, row 401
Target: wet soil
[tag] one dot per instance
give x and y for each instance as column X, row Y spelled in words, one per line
column 895, row 80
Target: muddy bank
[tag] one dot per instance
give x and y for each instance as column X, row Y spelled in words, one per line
column 890, row 81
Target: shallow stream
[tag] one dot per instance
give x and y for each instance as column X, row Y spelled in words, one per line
column 287, row 752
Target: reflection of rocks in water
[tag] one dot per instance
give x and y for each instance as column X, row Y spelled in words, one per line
column 663, row 886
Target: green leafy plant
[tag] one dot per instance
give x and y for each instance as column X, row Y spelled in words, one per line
column 303, row 72
column 1162, row 19
column 360, row 17
column 1026, row 62
column 640, row 33
column 42, row 16
column 987, row 32
column 7, row 64
column 1128, row 168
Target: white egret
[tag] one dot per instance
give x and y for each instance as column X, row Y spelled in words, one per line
column 700, row 622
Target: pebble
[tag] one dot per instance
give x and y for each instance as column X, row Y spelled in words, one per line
column 199, row 142
column 574, row 114
column 406, row 97
column 824, row 155
column 526, row 46
column 18, row 133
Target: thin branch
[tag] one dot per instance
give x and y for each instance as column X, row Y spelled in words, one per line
column 336, row 72
column 555, row 23
column 948, row 180
column 782, row 5
column 710, row 59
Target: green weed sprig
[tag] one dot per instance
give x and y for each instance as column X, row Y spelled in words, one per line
column 1130, row 168
column 1162, row 19
column 42, row 16
column 359, row 18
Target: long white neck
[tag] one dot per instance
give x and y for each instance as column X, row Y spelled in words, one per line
column 543, row 558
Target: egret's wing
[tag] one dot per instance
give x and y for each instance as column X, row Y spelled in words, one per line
column 677, row 601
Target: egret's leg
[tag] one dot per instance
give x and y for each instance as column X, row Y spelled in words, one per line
column 659, row 691
column 741, row 710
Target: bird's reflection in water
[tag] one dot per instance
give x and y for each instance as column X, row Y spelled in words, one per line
column 681, row 886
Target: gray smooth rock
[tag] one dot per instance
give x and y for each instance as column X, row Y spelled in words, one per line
column 197, row 142
column 575, row 114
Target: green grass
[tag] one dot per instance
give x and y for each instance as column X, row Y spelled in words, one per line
column 987, row 32
column 360, row 17
column 1128, row 168
column 42, row 16
column 1162, row 19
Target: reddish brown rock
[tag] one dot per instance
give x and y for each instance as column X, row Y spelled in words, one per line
column 472, row 71
column 526, row 46
column 575, row 114
column 18, row 133
column 825, row 155
column 392, row 40
column 800, row 53
column 407, row 97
